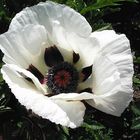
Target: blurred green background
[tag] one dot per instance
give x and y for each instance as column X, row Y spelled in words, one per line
column 17, row 124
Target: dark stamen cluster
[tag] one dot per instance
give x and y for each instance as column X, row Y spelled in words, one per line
column 62, row 78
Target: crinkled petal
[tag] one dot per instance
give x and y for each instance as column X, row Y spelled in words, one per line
column 47, row 13
column 105, row 76
column 59, row 21
column 65, row 113
column 25, row 47
column 117, row 49
column 75, row 111
column 113, row 71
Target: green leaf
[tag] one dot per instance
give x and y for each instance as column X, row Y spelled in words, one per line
column 66, row 130
column 95, row 126
column 2, row 99
column 136, row 110
column 60, row 1
column 137, row 60
column 19, row 124
column 76, row 4
column 4, row 109
column 103, row 3
column 136, row 80
column 136, row 123
column 101, row 27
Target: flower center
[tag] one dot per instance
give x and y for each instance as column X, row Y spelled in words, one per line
column 62, row 78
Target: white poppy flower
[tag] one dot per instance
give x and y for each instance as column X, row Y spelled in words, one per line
column 53, row 62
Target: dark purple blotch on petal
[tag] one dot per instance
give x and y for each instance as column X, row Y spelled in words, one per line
column 76, row 57
column 86, row 90
column 36, row 73
column 53, row 56
column 27, row 78
column 86, row 72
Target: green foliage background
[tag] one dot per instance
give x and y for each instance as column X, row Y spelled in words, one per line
column 16, row 123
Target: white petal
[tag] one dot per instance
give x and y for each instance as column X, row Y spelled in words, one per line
column 73, row 96
column 65, row 113
column 113, row 71
column 87, row 48
column 75, row 111
column 104, row 37
column 113, row 103
column 105, row 76
column 60, row 22
column 24, row 47
column 110, row 96
column 49, row 12
column 24, row 73
column 60, row 38
column 68, row 42
column 117, row 49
